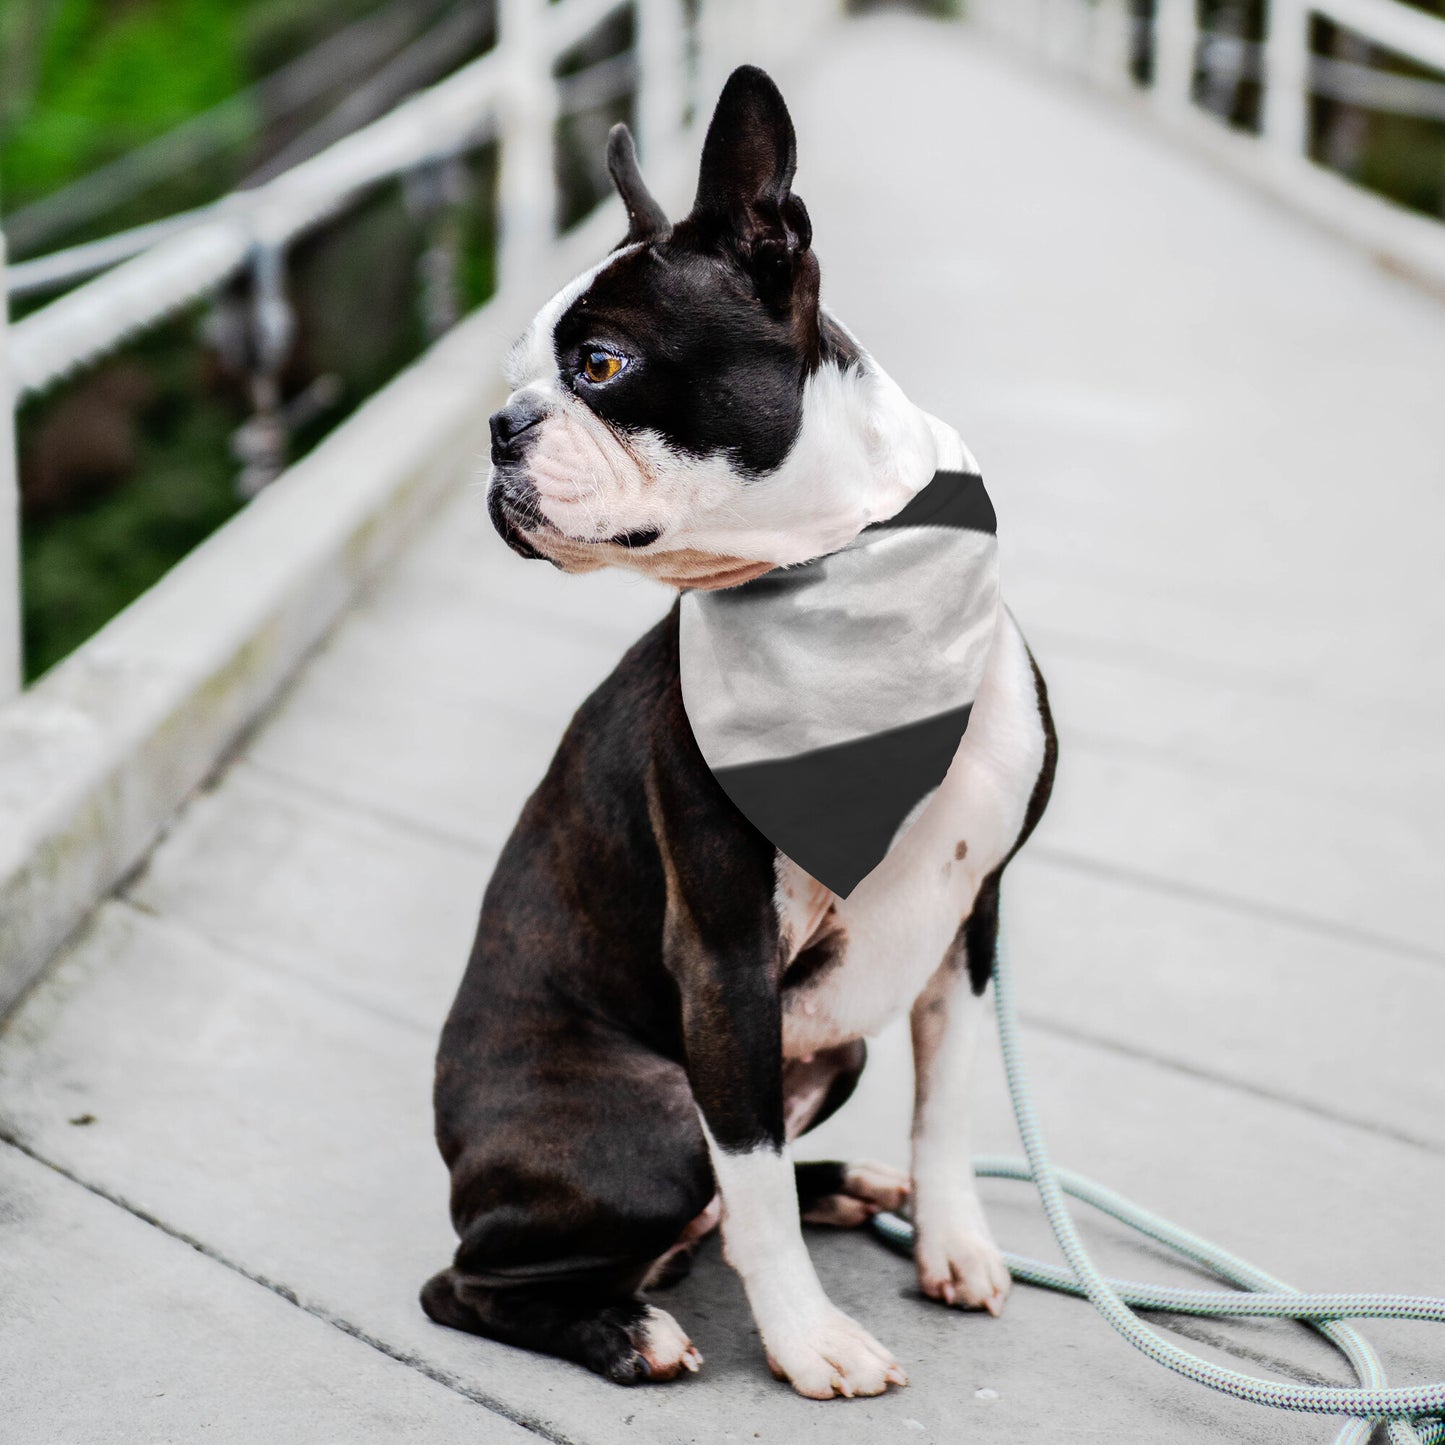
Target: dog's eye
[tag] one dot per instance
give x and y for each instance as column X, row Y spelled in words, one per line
column 600, row 366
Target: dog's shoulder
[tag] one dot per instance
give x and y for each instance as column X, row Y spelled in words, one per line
column 636, row 709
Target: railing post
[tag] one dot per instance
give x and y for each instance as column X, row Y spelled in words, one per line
column 434, row 193
column 1066, row 33
column 662, row 70
column 1032, row 18
column 717, row 27
column 1286, row 79
column 1110, row 41
column 261, row 442
column 10, row 673
column 526, row 188
column 1176, row 39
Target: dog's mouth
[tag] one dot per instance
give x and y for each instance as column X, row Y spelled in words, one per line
column 513, row 522
column 515, row 510
column 635, row 541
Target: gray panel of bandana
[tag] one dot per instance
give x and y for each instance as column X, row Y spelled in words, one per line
column 829, row 698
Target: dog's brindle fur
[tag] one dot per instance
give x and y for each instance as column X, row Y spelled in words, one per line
column 657, row 1000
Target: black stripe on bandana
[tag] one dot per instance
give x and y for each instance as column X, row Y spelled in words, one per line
column 847, row 800
column 791, row 681
column 965, row 506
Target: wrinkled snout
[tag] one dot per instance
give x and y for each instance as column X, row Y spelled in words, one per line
column 511, row 497
column 514, row 429
column 564, row 488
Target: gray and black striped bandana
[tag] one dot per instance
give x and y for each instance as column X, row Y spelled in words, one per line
column 829, row 698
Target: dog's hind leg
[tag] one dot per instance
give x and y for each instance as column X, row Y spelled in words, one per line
column 610, row 1330
column 575, row 1166
column 675, row 1266
column 554, row 1258
column 847, row 1195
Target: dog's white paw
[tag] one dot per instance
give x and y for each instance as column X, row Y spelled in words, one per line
column 664, row 1345
column 962, row 1266
column 833, row 1355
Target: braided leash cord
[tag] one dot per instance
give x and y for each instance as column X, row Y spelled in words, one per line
column 1404, row 1410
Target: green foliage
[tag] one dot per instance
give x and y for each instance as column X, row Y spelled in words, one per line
column 79, row 567
column 85, row 81
column 103, row 78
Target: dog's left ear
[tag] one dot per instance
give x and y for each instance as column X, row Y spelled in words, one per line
column 744, row 187
column 645, row 218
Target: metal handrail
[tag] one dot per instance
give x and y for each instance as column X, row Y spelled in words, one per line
column 284, row 92
column 511, row 94
column 1099, row 41
column 1097, row 37
column 456, row 114
column 599, row 83
column 1411, row 33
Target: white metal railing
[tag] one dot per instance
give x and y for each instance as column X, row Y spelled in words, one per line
column 370, row 42
column 96, row 758
column 1097, row 40
column 505, row 91
column 9, row 515
column 509, row 95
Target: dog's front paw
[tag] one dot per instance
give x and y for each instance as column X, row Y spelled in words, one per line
column 654, row 1347
column 962, row 1266
column 833, row 1355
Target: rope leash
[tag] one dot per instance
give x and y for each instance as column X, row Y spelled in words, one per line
column 1406, row 1412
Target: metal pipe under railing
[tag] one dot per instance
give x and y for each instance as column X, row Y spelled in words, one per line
column 512, row 93
column 455, row 113
column 1098, row 37
column 599, row 83
column 162, row 267
column 1413, row 34
column 296, row 85
column 10, row 660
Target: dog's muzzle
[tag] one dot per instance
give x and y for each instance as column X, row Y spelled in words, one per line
column 512, row 499
column 512, row 504
column 514, row 429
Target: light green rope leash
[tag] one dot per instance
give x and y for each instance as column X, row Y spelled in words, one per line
column 1405, row 1411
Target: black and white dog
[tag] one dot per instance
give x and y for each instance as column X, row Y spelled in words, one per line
column 658, row 1000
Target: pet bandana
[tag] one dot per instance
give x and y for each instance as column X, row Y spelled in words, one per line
column 829, row 698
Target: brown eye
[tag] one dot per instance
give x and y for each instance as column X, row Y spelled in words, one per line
column 600, row 366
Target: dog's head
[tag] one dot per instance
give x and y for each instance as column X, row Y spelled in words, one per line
column 686, row 408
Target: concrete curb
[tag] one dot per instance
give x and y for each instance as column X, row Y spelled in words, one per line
column 97, row 757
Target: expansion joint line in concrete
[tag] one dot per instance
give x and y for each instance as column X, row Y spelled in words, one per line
column 339, row 1322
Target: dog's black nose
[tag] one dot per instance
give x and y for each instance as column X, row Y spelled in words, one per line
column 509, row 426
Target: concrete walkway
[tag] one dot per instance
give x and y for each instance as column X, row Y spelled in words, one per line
column 1217, row 447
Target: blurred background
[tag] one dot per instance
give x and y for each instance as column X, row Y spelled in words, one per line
column 1173, row 267
column 116, row 118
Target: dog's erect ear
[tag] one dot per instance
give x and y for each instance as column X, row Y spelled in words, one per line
column 744, row 193
column 645, row 218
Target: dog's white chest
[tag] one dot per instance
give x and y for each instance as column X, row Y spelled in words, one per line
column 855, row 963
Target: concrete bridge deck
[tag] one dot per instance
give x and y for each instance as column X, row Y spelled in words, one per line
column 1216, row 442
